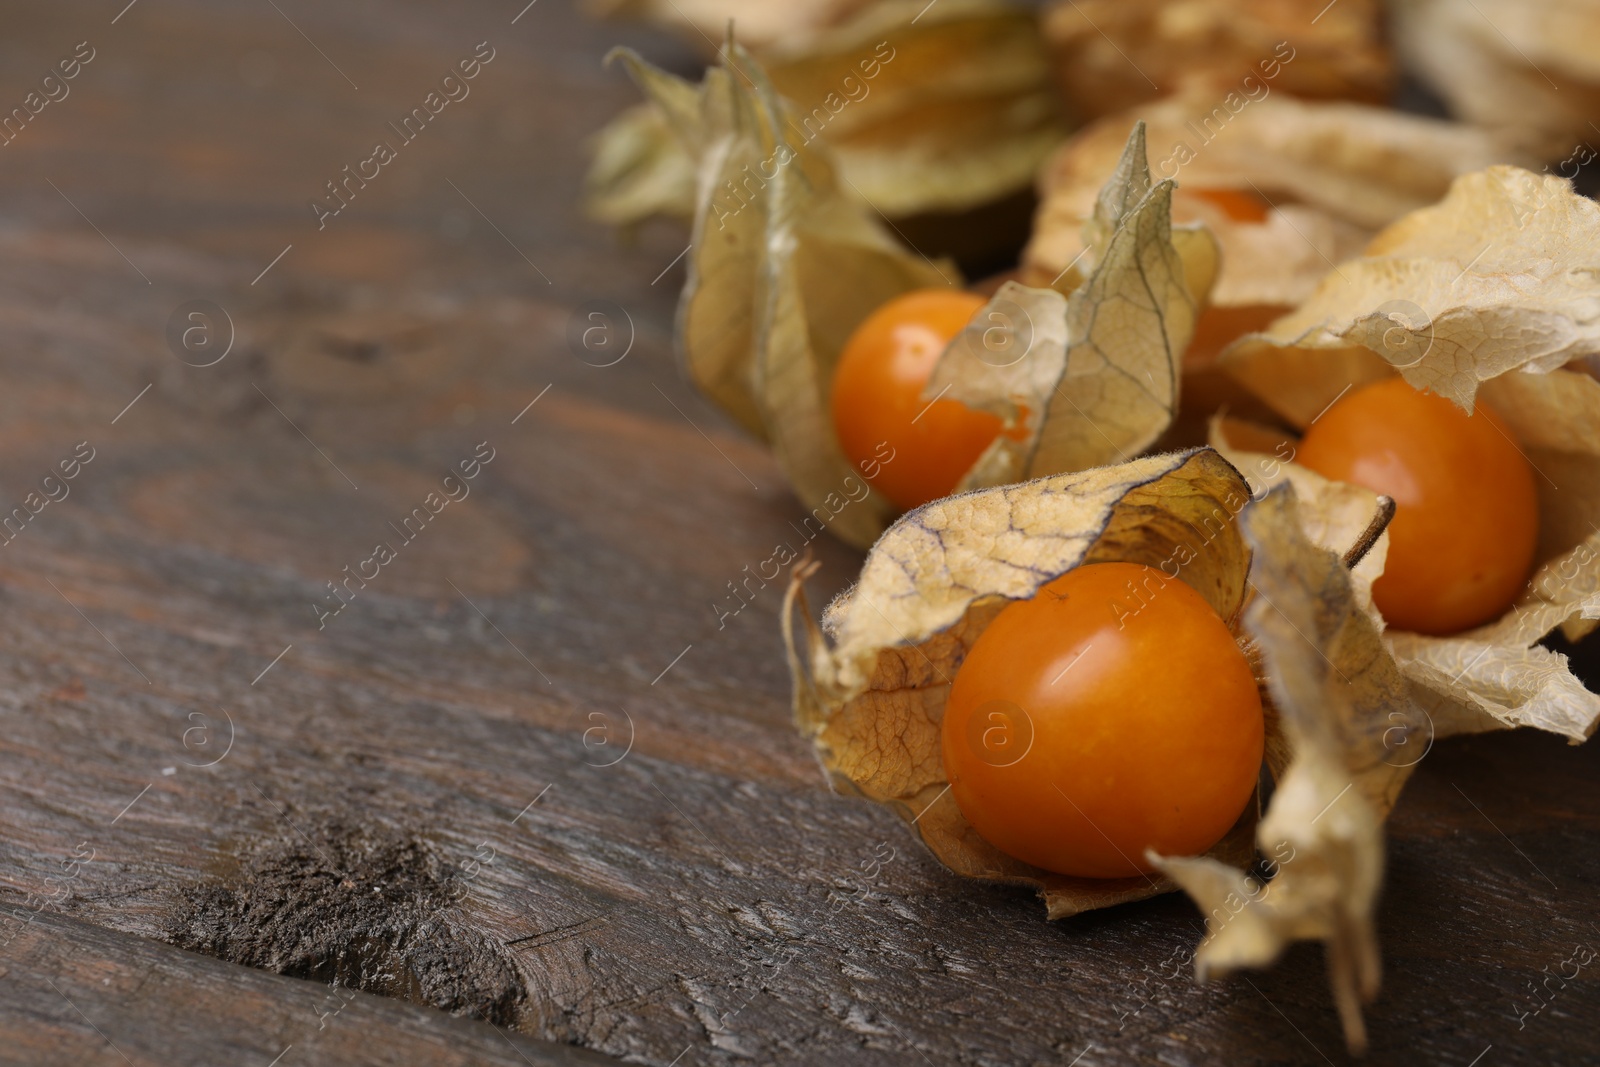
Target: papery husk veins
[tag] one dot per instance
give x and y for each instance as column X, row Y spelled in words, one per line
column 870, row 685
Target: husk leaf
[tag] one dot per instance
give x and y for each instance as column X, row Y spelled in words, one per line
column 1333, row 172
column 1113, row 54
column 1338, row 696
column 777, row 281
column 638, row 170
column 870, row 686
column 957, row 111
column 1333, row 515
column 1529, row 69
column 1502, row 274
column 1091, row 377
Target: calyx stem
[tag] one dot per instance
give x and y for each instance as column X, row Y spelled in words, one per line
column 1369, row 537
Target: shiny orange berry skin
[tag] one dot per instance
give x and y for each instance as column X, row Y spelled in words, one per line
column 1111, row 713
column 877, row 399
column 1466, row 521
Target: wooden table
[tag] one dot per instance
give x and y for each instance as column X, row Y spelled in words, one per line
column 523, row 774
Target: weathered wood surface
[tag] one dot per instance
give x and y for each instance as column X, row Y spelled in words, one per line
column 71, row 986
column 524, row 775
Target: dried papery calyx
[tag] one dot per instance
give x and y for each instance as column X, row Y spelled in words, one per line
column 1113, row 54
column 926, row 109
column 1491, row 295
column 1288, row 187
column 872, row 683
column 1523, row 68
column 1287, row 566
column 1338, row 697
column 1087, row 370
column 779, row 281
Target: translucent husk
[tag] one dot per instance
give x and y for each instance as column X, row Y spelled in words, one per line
column 871, row 684
column 1113, row 54
column 1494, row 295
column 925, row 109
column 783, row 267
column 1527, row 69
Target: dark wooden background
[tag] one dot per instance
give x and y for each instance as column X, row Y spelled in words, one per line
column 416, row 799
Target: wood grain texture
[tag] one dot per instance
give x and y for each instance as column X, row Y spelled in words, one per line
column 527, row 742
column 79, row 993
